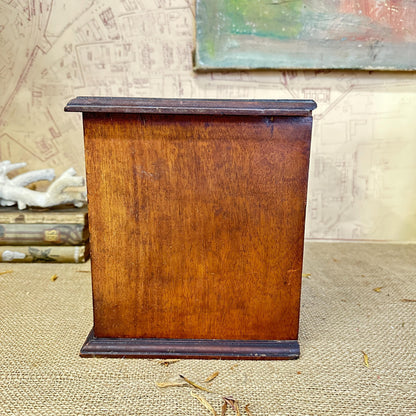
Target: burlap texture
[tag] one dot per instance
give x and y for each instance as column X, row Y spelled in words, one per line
column 43, row 324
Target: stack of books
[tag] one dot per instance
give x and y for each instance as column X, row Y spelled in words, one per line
column 58, row 234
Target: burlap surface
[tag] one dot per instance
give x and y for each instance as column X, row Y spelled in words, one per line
column 43, row 324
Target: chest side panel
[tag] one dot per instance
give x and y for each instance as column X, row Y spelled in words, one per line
column 196, row 224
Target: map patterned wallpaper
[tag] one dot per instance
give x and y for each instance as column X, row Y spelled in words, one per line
column 363, row 164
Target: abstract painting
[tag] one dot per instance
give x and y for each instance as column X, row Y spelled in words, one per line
column 306, row 34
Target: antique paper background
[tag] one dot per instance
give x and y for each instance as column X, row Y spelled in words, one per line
column 363, row 166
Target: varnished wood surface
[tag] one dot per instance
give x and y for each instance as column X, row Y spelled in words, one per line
column 188, row 348
column 191, row 106
column 196, row 224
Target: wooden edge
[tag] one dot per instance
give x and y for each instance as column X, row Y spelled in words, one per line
column 191, row 106
column 189, row 348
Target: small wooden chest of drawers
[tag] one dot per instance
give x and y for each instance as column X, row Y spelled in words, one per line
column 197, row 213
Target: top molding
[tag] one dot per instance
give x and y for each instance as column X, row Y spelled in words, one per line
column 191, row 106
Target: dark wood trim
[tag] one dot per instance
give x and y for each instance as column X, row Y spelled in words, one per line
column 191, row 106
column 189, row 348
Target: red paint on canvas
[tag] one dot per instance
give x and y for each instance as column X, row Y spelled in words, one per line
column 397, row 15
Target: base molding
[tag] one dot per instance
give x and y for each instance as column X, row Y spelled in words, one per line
column 189, row 348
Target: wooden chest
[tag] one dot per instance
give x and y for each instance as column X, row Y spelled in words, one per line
column 197, row 213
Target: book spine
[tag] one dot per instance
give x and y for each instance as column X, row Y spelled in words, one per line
column 44, row 254
column 43, row 234
column 71, row 216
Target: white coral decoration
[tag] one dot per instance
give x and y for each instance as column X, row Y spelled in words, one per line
column 13, row 191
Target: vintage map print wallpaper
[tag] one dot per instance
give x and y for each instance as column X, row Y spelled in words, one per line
column 362, row 182
column 362, row 34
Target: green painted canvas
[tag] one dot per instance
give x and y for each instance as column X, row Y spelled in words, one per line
column 306, row 34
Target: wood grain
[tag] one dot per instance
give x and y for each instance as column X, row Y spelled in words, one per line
column 197, row 223
column 188, row 348
column 191, row 106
